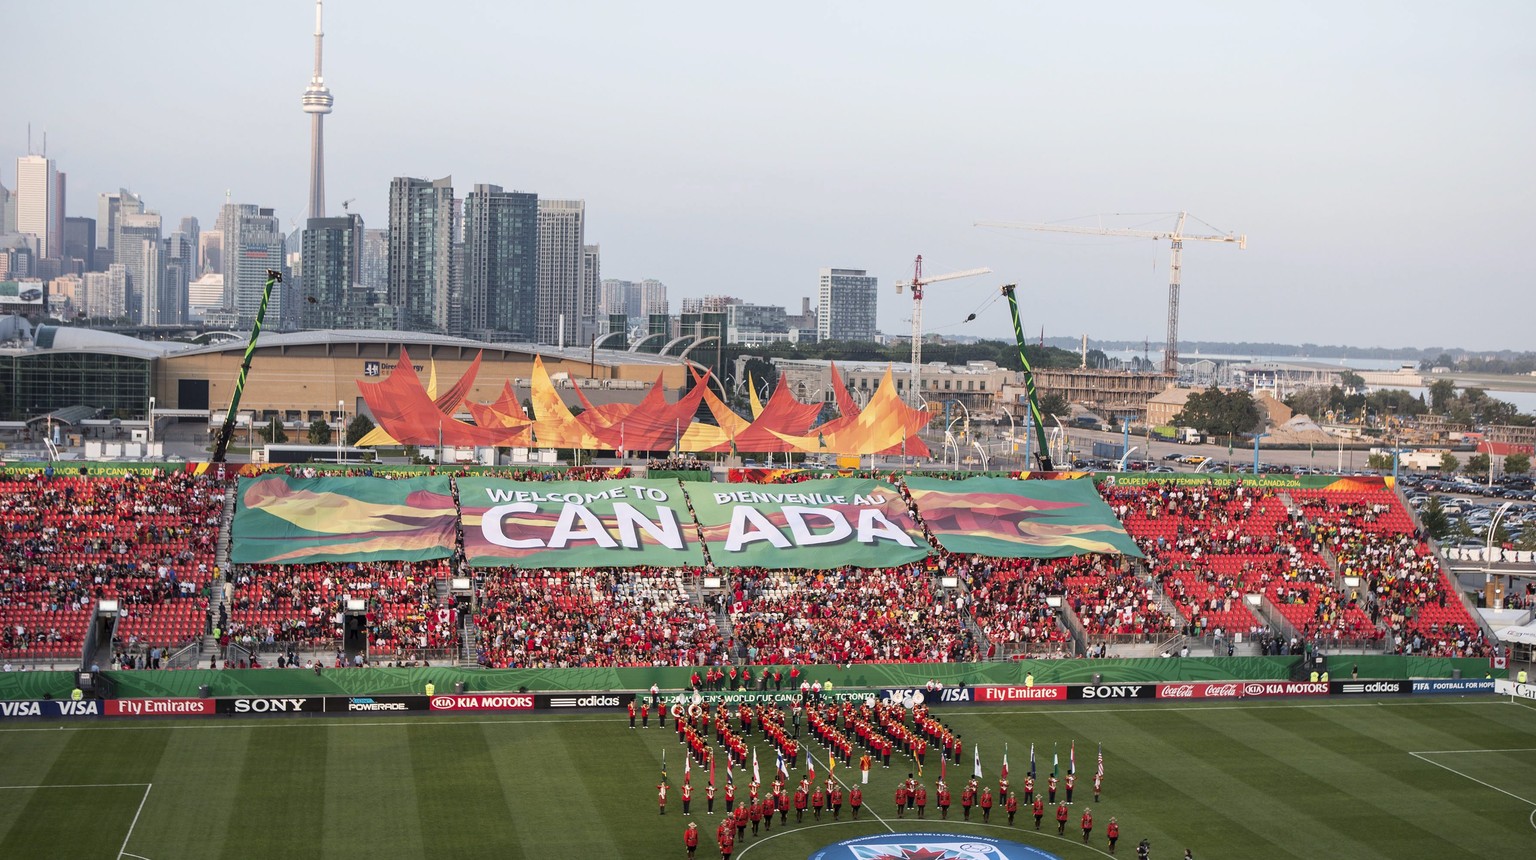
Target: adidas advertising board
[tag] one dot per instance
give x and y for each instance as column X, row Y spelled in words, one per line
column 1369, row 688
column 581, row 701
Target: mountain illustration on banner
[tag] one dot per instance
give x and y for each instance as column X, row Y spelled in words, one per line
column 408, row 411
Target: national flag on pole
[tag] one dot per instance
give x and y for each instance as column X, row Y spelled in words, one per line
column 1072, row 758
column 757, row 777
column 780, row 768
column 1005, row 762
column 687, row 769
column 942, row 761
column 1101, row 760
column 711, row 767
column 664, row 767
column 976, row 769
column 729, row 779
column 831, row 764
column 810, row 766
column 1031, row 758
column 1055, row 760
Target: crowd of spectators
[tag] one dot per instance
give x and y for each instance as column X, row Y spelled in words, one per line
column 848, row 615
column 568, row 618
column 677, row 464
column 146, row 540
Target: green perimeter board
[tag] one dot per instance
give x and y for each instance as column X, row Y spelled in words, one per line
column 813, row 525
column 1004, row 518
column 384, row 681
column 280, row 519
column 623, row 522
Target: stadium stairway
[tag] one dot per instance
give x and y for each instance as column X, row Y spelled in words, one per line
column 216, row 589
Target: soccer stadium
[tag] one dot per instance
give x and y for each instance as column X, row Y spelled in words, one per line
column 268, row 661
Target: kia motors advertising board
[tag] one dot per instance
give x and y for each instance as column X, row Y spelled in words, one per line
column 1264, row 689
column 1111, row 691
column 484, row 702
column 271, row 705
column 158, row 707
column 1001, row 694
column 49, row 708
column 1368, row 688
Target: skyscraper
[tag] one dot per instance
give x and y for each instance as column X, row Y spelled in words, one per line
column 138, row 250
column 422, row 233
column 80, row 243
column 591, row 277
column 317, row 103
column 40, row 204
column 253, row 243
column 501, row 253
column 177, row 265
column 7, row 211
column 332, row 261
column 110, row 207
column 562, row 225
column 375, row 267
column 847, row 305
column 106, row 293
column 194, row 233
column 653, row 298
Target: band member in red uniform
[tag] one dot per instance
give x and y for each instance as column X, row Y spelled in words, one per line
column 645, row 716
column 1061, row 819
column 755, row 812
column 967, row 797
column 1012, row 805
column 730, row 797
column 801, row 797
column 901, row 800
column 818, row 800
column 709, row 799
column 784, row 807
column 687, row 797
column 855, row 800
column 727, row 840
column 740, row 818
column 1050, row 785
column 1071, row 784
column 661, row 796
column 1098, row 786
column 922, row 799
column 1029, row 789
column 1112, row 830
column 986, row 804
column 943, row 800
column 631, row 713
column 835, row 801
column 1087, row 825
column 691, row 838
column 1039, row 810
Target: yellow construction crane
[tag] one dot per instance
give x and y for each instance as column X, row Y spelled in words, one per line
column 1176, row 237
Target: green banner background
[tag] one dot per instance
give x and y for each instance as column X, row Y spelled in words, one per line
column 552, row 501
column 842, row 498
column 1019, row 519
column 281, row 519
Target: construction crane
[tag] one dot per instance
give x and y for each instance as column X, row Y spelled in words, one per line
column 1176, row 237
column 917, row 283
column 221, row 444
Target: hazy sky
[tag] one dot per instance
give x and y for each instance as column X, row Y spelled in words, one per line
column 1378, row 155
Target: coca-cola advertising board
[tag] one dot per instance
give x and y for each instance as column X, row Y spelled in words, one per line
column 1224, row 690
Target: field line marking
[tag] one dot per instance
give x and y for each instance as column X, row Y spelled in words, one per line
column 870, row 806
column 1421, row 757
column 1438, row 752
column 82, row 785
column 136, row 856
column 135, row 823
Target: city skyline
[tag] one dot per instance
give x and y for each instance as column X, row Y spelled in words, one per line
column 1370, row 153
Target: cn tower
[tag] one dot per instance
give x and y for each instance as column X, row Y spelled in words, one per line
column 317, row 103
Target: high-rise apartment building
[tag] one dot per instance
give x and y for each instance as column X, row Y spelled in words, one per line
column 253, row 244
column 80, row 244
column 591, row 277
column 422, row 232
column 40, row 204
column 177, row 266
column 139, row 251
column 653, row 298
column 194, row 233
column 332, row 261
column 501, row 264
column 106, row 293
column 562, row 231
column 7, row 211
column 847, row 305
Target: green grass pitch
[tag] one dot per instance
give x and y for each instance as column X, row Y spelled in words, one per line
column 1392, row 778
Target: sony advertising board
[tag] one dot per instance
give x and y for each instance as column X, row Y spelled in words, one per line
column 271, row 705
column 1111, row 691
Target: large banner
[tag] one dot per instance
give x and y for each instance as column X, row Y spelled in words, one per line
column 813, row 524
column 566, row 524
column 281, row 519
column 1019, row 519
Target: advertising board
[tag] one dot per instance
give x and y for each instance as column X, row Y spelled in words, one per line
column 484, row 702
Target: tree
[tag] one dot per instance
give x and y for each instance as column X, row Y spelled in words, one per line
column 1448, row 463
column 1379, row 462
column 1352, row 381
column 1220, row 413
column 1517, row 464
column 1441, row 391
column 319, row 432
column 357, row 428
column 1478, row 464
column 1435, row 521
column 1054, row 403
column 273, row 433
